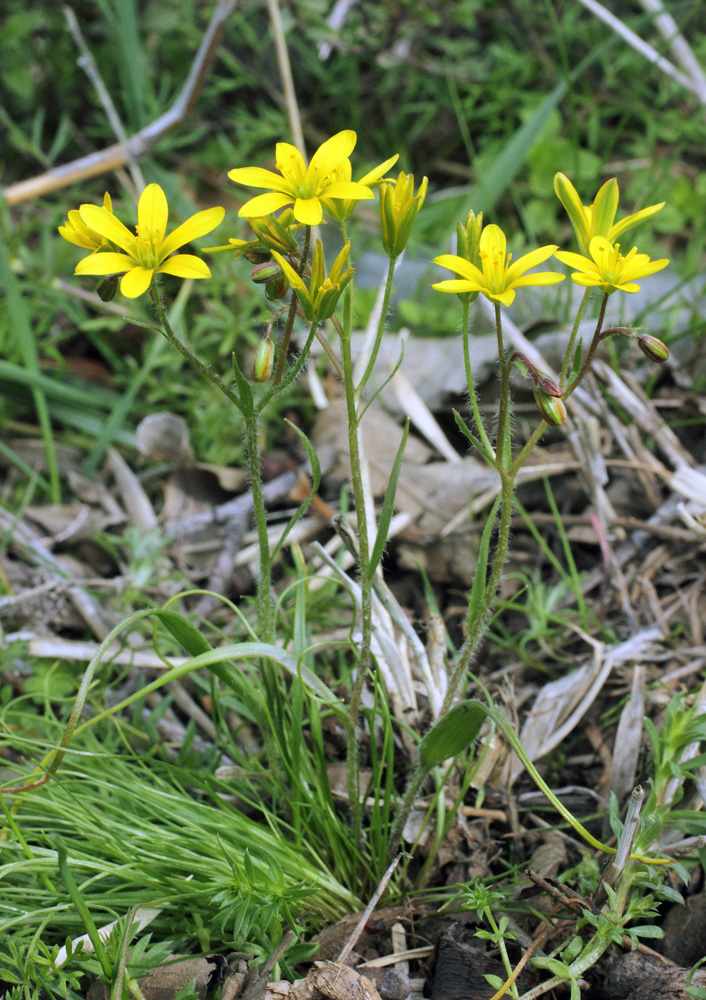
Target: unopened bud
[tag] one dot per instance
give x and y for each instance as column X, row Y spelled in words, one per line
column 276, row 288
column 258, row 256
column 107, row 287
column 653, row 348
column 262, row 273
column 548, row 385
column 551, row 408
column 262, row 365
column 273, row 234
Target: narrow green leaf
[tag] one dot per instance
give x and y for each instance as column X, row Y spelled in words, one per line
column 479, row 586
column 453, row 733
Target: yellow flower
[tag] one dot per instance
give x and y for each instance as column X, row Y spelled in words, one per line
column 319, row 300
column 497, row 278
column 147, row 253
column 597, row 219
column 340, row 209
column 302, row 186
column 77, row 232
column 607, row 269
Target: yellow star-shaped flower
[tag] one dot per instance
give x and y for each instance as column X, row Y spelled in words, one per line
column 146, row 252
column 305, row 187
column 607, row 269
column 497, row 278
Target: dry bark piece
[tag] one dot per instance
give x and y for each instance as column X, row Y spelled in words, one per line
column 638, row 976
column 333, row 981
column 461, row 970
column 685, row 931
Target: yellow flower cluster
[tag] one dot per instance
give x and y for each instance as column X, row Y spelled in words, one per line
column 601, row 265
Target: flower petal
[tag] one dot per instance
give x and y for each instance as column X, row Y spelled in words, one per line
column 308, row 211
column 136, row 282
column 153, row 212
column 347, row 189
column 457, row 286
column 198, row 225
column 575, row 260
column 379, row 171
column 185, row 265
column 633, row 220
column 604, row 207
column 460, row 266
column 529, row 260
column 493, row 241
column 264, row 204
column 258, row 177
column 328, row 156
column 643, row 270
column 290, row 164
column 109, row 227
column 538, row 278
column 104, row 263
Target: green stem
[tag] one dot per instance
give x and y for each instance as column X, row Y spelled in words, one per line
column 410, row 797
column 513, row 991
column 473, row 398
column 265, row 608
column 503, row 444
column 572, row 339
column 366, row 600
column 588, row 360
column 380, row 330
column 172, row 338
column 289, row 325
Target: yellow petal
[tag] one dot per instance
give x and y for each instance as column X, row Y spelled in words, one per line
column 458, row 285
column 633, row 220
column 290, row 274
column 540, row 278
column 460, row 266
column 308, row 211
column 104, row 263
column 379, row 171
column 258, row 177
column 153, row 211
column 328, row 156
column 290, row 164
column 264, row 204
column 575, row 260
column 136, row 282
column 347, row 189
column 492, row 240
column 185, row 265
column 198, row 225
column 109, row 227
column 605, row 205
column 529, row 260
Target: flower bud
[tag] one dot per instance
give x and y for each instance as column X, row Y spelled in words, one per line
column 267, row 271
column 551, row 407
column 262, row 365
column 276, row 288
column 273, row 235
column 107, row 287
column 257, row 256
column 653, row 348
column 398, row 210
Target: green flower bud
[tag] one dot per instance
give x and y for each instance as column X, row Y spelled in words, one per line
column 107, row 287
column 276, row 289
column 453, row 733
column 653, row 348
column 551, row 407
column 273, row 235
column 398, row 210
column 262, row 365
column 262, row 273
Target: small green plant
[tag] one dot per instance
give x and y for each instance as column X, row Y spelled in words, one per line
column 278, row 691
